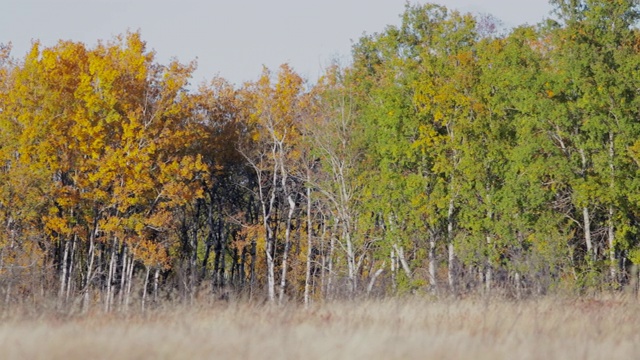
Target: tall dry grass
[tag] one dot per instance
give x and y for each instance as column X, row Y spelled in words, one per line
column 386, row 329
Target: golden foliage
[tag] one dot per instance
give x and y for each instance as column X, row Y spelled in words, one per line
column 103, row 132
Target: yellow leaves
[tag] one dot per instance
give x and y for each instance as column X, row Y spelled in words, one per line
column 277, row 106
column 104, row 134
column 179, row 178
column 131, row 130
column 428, row 138
column 56, row 224
column 255, row 135
column 438, row 116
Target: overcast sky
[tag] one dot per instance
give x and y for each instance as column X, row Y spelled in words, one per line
column 229, row 38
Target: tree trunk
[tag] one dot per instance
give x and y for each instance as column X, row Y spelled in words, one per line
column 332, row 247
column 586, row 223
column 375, row 276
column 432, row 262
column 585, row 213
column 287, row 246
column 270, row 232
column 205, row 260
column 144, row 288
column 613, row 266
column 270, row 269
column 325, row 261
column 613, row 262
column 451, row 275
column 63, row 272
column 403, row 261
column 219, row 259
column 72, row 267
column 252, row 269
column 210, row 239
column 110, row 275
column 123, row 276
column 307, row 276
column 156, row 277
column 129, row 282
column 351, row 263
column 394, row 283
column 87, row 282
column 223, row 261
column 242, row 269
column 451, row 259
column 488, row 277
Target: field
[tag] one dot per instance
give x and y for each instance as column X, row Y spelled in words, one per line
column 394, row 329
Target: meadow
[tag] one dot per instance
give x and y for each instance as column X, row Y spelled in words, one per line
column 416, row 328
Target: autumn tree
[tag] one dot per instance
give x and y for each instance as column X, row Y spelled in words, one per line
column 274, row 114
column 106, row 128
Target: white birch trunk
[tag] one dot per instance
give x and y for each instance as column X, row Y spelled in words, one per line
column 72, row 266
column 63, row 274
column 586, row 223
column 451, row 257
column 144, row 288
column 403, row 261
column 123, row 277
column 351, row 263
column 375, row 276
column 112, row 261
column 287, row 246
column 156, row 278
column 87, row 284
column 271, row 293
column 332, row 248
column 613, row 263
column 394, row 284
column 432, row 262
column 129, row 282
column 586, row 219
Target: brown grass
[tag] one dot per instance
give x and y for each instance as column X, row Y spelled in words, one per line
column 390, row 329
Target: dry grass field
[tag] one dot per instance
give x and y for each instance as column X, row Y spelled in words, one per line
column 390, row 329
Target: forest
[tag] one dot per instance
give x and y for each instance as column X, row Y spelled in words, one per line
column 449, row 157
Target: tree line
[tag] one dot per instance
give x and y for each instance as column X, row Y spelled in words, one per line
column 448, row 157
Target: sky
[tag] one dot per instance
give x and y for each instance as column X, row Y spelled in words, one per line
column 232, row 39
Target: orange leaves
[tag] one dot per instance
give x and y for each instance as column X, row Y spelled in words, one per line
column 152, row 254
column 550, row 93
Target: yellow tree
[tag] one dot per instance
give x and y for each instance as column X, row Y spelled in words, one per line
column 108, row 133
column 20, row 201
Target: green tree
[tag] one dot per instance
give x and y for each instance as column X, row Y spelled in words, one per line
column 595, row 56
